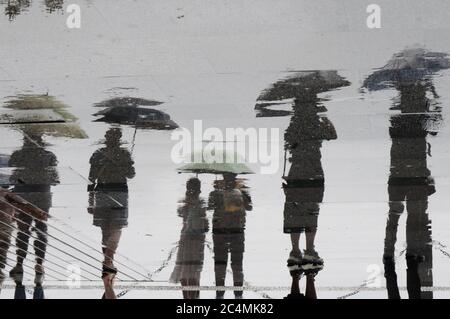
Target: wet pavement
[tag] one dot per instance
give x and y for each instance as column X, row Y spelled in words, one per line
column 356, row 209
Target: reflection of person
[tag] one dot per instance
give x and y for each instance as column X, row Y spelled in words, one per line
column 35, row 172
column 190, row 255
column 230, row 201
column 111, row 166
column 304, row 187
column 410, row 182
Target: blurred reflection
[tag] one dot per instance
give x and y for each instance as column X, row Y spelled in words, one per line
column 35, row 172
column 54, row 5
column 6, row 220
column 410, row 181
column 230, row 200
column 111, row 166
column 190, row 255
column 15, row 7
column 304, row 183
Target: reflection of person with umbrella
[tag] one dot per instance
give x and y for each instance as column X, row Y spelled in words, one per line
column 33, row 177
column 410, row 179
column 304, row 183
column 111, row 166
column 35, row 171
column 190, row 255
column 230, row 201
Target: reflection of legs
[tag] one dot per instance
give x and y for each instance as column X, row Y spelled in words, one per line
column 310, row 292
column 395, row 210
column 220, row 261
column 310, row 236
column 412, row 277
column 391, row 278
column 40, row 244
column 295, row 238
column 5, row 234
column 24, row 223
column 110, row 241
column 237, row 248
column 418, row 240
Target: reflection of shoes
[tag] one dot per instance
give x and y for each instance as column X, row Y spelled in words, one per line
column 311, row 256
column 38, row 292
column 311, row 269
column 220, row 294
column 40, row 274
column 294, row 262
column 295, row 257
column 17, row 274
column 107, row 271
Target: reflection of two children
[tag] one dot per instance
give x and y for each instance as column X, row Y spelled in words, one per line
column 230, row 201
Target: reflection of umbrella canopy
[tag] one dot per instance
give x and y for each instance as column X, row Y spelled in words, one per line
column 46, row 116
column 141, row 117
column 237, row 165
column 407, row 66
column 127, row 111
column 300, row 86
column 127, row 101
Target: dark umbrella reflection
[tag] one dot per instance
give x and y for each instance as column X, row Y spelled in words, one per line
column 410, row 181
column 111, row 167
column 35, row 172
column 190, row 255
column 230, row 201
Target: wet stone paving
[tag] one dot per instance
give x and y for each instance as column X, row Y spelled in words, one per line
column 121, row 176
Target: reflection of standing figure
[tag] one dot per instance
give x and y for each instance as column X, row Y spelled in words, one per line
column 410, row 182
column 410, row 72
column 230, row 202
column 33, row 177
column 190, row 256
column 111, row 166
column 304, row 183
column 304, row 186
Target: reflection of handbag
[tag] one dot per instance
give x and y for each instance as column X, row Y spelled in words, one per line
column 326, row 129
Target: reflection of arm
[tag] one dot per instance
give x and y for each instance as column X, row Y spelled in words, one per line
column 247, row 200
column 94, row 170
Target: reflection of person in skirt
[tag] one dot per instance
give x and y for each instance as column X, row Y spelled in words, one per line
column 111, row 166
column 190, row 255
column 230, row 201
column 304, row 187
